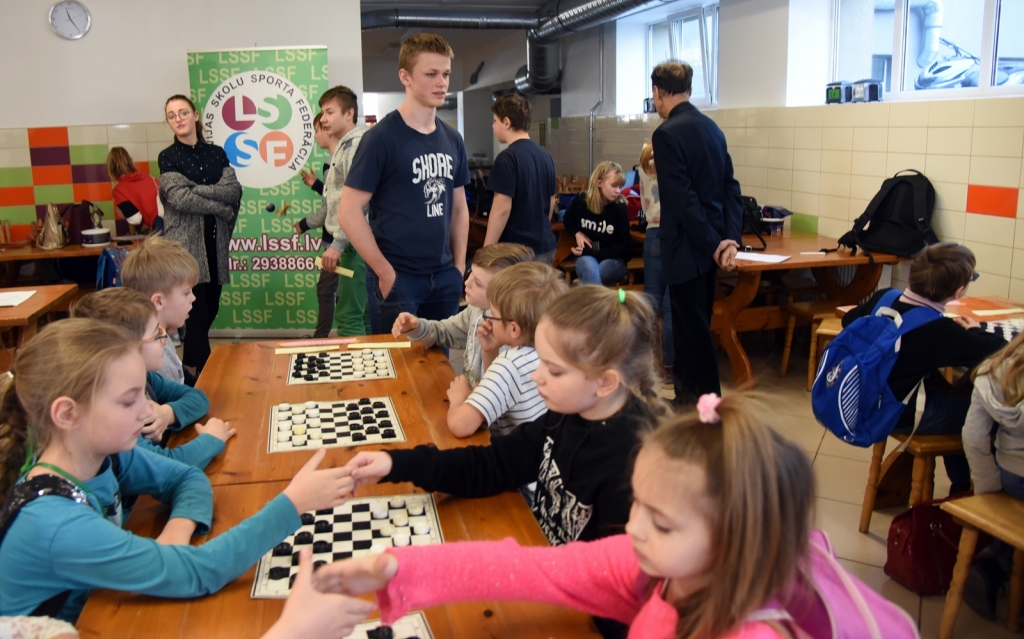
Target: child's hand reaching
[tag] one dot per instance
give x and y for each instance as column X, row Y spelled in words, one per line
column 218, row 428
column 163, row 416
column 459, row 390
column 357, row 576
column 314, row 612
column 404, row 323
column 369, row 467
column 314, row 489
column 966, row 322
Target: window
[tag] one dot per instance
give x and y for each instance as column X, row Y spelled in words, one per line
column 690, row 37
column 929, row 45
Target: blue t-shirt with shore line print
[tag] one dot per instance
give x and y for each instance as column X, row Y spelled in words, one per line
column 413, row 177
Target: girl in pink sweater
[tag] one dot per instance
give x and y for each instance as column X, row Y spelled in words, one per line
column 720, row 518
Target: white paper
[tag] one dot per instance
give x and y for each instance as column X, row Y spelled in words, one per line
column 762, row 257
column 992, row 312
column 13, row 298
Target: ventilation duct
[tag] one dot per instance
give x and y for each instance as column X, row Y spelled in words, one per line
column 406, row 19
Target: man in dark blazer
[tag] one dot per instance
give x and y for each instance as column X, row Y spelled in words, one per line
column 701, row 216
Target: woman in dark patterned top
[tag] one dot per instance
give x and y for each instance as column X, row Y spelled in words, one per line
column 201, row 200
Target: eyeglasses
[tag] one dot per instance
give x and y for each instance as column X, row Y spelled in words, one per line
column 496, row 319
column 974, row 278
column 161, row 335
column 180, row 115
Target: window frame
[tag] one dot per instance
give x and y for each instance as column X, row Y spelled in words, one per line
column 708, row 48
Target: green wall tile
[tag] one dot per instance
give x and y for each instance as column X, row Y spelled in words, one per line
column 89, row 154
column 19, row 176
column 18, row 214
column 805, row 223
column 107, row 208
column 57, row 193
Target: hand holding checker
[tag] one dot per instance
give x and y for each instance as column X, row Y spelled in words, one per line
column 369, row 467
column 316, row 489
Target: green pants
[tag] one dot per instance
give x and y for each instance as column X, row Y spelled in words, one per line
column 350, row 315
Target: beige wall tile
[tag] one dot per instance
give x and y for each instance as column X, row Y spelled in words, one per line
column 865, row 163
column 992, row 259
column 829, row 227
column 738, row 155
column 999, row 112
column 1017, row 268
column 949, row 140
column 908, row 114
column 79, row 135
column 857, row 208
column 990, row 284
column 781, row 116
column 949, row 225
column 757, row 136
column 15, row 158
column 989, row 229
column 951, row 113
column 1020, row 202
column 837, row 184
column 1018, row 235
column 780, row 158
column 756, row 156
column 871, row 139
column 735, row 117
column 998, row 141
column 899, row 161
column 138, row 150
column 776, row 197
column 837, row 115
column 120, row 133
column 1016, row 290
column 159, row 132
column 13, row 138
column 864, row 186
column 781, row 137
column 836, row 208
column 759, row 117
column 154, row 149
column 995, row 171
column 948, row 168
column 759, row 193
column 807, row 138
column 873, row 114
column 807, row 116
column 735, row 136
column 806, row 203
column 806, row 160
column 780, row 179
column 756, row 177
column 950, row 196
column 908, row 140
column 806, row 181
column 837, row 138
column 836, row 161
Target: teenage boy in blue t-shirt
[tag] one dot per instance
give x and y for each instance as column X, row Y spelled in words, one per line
column 411, row 169
column 523, row 182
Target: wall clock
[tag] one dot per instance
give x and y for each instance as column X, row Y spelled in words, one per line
column 70, row 19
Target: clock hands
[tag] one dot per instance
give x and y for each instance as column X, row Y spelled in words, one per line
column 72, row 20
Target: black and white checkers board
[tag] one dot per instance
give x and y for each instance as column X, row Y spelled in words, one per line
column 411, row 626
column 333, row 424
column 1008, row 328
column 357, row 527
column 341, row 366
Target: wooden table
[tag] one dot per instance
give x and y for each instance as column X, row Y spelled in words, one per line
column 24, row 318
column 32, row 252
column 734, row 315
column 243, row 381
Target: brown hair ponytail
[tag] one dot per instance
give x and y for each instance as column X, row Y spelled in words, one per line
column 13, row 435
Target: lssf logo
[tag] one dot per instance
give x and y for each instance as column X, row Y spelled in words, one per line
column 265, row 125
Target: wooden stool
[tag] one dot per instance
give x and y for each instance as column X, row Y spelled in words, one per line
column 829, row 328
column 813, row 312
column 923, row 449
column 1001, row 516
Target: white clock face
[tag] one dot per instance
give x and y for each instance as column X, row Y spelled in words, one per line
column 70, row 19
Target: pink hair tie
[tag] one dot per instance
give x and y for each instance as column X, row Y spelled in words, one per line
column 707, row 408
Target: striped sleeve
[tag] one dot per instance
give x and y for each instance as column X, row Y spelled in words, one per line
column 506, row 394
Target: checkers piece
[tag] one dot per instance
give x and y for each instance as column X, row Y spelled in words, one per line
column 331, row 424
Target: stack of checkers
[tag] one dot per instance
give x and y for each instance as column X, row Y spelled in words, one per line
column 1009, row 328
column 335, row 424
column 360, row 526
column 411, row 626
column 343, row 366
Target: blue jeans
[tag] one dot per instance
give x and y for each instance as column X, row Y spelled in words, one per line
column 430, row 296
column 1013, row 484
column 605, row 272
column 657, row 291
column 943, row 414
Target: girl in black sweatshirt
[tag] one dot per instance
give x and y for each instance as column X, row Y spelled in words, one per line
column 600, row 222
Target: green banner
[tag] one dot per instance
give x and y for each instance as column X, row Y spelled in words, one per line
column 259, row 105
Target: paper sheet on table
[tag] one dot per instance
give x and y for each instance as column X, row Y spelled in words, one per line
column 762, row 257
column 13, row 298
column 990, row 312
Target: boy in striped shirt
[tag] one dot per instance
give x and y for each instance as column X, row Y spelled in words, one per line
column 506, row 395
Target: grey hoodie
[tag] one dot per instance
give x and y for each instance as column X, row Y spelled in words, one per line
column 987, row 407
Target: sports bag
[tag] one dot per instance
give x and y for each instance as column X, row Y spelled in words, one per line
column 922, row 548
column 108, row 268
column 851, row 395
column 898, row 219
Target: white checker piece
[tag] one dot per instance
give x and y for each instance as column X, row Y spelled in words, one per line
column 350, row 530
column 333, row 424
column 1008, row 329
column 341, row 366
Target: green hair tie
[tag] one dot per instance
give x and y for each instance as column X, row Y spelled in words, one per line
column 622, row 296
column 30, row 458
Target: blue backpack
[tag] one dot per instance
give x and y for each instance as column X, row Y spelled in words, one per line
column 108, row 268
column 851, row 395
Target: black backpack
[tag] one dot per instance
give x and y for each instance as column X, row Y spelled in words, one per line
column 898, row 220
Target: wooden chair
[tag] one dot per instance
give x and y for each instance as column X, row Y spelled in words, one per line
column 1001, row 516
column 814, row 313
column 923, row 449
column 826, row 331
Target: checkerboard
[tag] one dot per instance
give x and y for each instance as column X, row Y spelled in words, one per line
column 334, row 424
column 411, row 626
column 341, row 366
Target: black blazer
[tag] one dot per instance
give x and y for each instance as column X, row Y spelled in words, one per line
column 700, row 198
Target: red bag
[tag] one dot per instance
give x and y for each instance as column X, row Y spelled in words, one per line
column 633, row 203
column 922, row 548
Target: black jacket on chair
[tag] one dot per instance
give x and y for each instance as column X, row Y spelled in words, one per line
column 700, row 198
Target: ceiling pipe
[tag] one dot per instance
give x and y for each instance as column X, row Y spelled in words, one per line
column 600, row 100
column 411, row 18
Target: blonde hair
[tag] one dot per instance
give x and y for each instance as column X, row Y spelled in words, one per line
column 759, row 495
column 422, row 43
column 68, row 358
column 1008, row 365
column 119, row 163
column 121, row 306
column 502, row 255
column 595, row 201
column 597, row 332
column 521, row 292
column 158, row 266
column 646, row 158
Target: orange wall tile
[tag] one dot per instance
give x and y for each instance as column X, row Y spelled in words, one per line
column 992, row 200
column 17, row 196
column 20, row 232
column 98, row 192
column 50, row 136
column 44, row 175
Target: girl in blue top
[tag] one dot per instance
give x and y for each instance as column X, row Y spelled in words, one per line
column 77, row 399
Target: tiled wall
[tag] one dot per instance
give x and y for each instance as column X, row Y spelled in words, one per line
column 826, row 163
column 61, row 165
